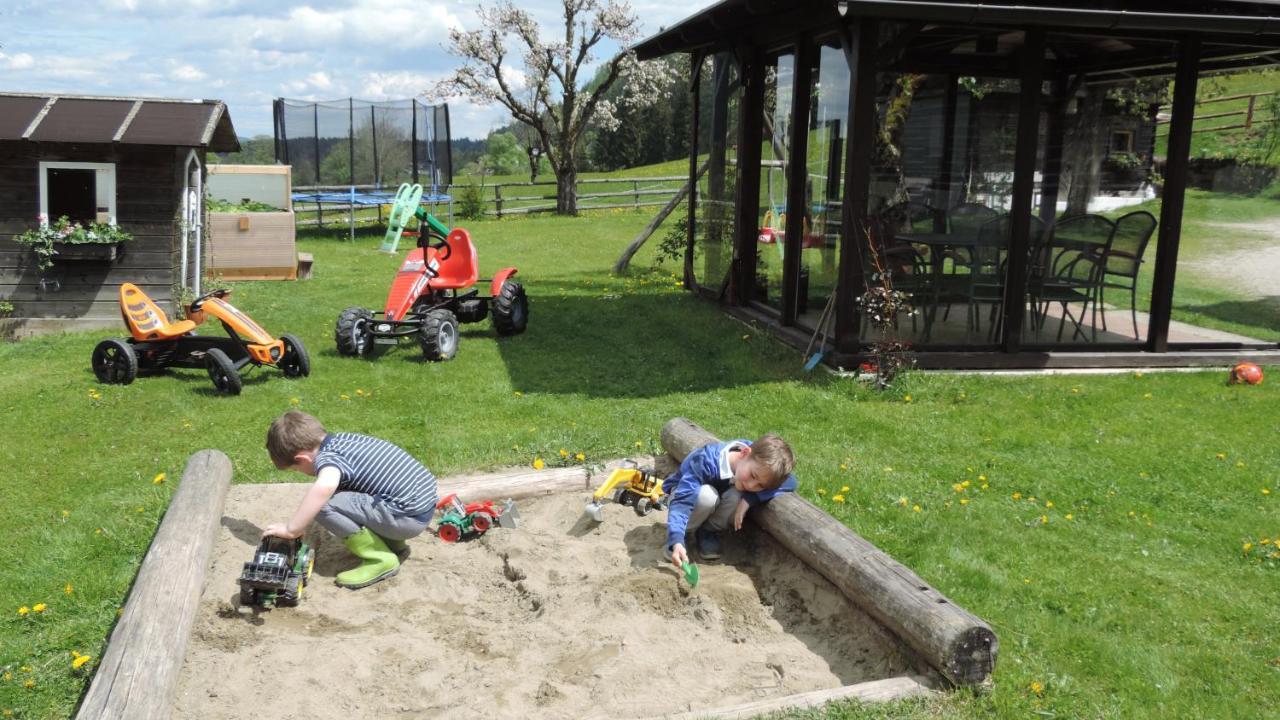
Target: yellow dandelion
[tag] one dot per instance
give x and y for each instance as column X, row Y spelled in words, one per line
column 964, row 501
column 140, row 509
column 1247, row 547
column 844, row 489
column 564, row 453
column 1132, row 513
column 985, row 486
column 902, row 501
column 159, row 478
column 1044, row 519
column 1036, row 687
column 1266, row 491
column 1031, row 499
column 915, row 508
column 344, row 397
column 837, row 498
column 906, row 398
column 360, row 392
column 580, row 457
column 981, row 478
column 639, row 444
column 1026, row 581
column 8, row 676
column 1017, row 496
column 958, row 487
column 1048, row 503
column 822, row 491
column 66, row 514
column 1070, row 516
column 1075, row 390
column 843, row 466
column 1137, row 374
column 519, row 394
column 67, row 589
column 39, row 607
column 1143, row 474
column 80, row 661
column 1146, row 396
column 29, row 684
column 1221, row 456
column 295, row 401
column 888, row 469
column 746, row 337
column 964, row 484
column 538, row 464
column 24, row 611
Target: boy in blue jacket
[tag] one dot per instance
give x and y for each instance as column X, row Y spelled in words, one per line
column 719, row 481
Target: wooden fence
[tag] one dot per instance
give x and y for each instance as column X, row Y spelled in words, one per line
column 1249, row 113
column 507, row 199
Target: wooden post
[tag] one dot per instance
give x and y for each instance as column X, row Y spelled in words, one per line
column 497, row 199
column 1175, row 190
column 631, row 250
column 635, row 187
column 1024, row 171
column 138, row 675
column 746, row 225
column 797, row 171
column 954, row 641
column 860, row 52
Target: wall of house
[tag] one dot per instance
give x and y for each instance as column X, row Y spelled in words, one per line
column 82, row 293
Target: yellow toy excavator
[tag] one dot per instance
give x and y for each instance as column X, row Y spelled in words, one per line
column 628, row 485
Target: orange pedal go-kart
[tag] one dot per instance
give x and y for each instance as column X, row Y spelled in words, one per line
column 429, row 296
column 157, row 343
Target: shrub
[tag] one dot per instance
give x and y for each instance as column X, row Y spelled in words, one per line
column 471, row 204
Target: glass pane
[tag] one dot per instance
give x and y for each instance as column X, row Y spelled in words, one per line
column 1227, row 286
column 719, row 97
column 828, row 128
column 779, row 89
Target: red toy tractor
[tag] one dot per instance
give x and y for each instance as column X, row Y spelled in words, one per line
column 430, row 296
column 457, row 519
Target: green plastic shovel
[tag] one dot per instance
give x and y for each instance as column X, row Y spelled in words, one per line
column 690, row 573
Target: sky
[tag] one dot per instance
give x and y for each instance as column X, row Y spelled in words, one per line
column 247, row 52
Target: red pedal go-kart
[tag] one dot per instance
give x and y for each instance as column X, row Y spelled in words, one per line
column 156, row 343
column 429, row 296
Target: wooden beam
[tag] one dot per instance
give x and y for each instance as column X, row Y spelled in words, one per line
column 527, row 482
column 750, row 134
column 954, row 641
column 797, row 173
column 859, row 48
column 1024, row 169
column 874, row 691
column 138, row 675
column 1173, row 198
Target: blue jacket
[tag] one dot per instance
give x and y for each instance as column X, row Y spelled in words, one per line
column 708, row 465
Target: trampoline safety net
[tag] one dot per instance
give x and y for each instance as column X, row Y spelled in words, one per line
column 362, row 143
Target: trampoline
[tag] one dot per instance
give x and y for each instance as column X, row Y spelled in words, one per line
column 356, row 153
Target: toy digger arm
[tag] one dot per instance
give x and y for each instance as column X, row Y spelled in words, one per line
column 619, row 476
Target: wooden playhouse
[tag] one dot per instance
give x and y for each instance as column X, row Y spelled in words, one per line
column 138, row 163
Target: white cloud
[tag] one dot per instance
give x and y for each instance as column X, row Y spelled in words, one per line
column 405, row 23
column 187, row 74
column 19, row 61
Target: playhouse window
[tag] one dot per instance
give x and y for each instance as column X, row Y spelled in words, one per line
column 84, row 192
column 1121, row 141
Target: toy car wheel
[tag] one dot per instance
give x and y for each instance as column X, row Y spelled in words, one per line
column 353, row 332
column 449, row 532
column 114, row 362
column 246, row 597
column 439, row 335
column 620, row 496
column 292, row 593
column 295, row 362
column 510, row 309
column 226, row 379
column 481, row 521
column 643, row 506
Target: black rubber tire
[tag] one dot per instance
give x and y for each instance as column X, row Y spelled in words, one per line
column 643, row 506
column 620, row 496
column 291, row 594
column 439, row 335
column 222, row 372
column 114, row 362
column 352, row 333
column 510, row 309
column 246, row 597
column 295, row 362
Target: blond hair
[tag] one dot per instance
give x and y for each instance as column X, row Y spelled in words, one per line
column 292, row 433
column 775, row 454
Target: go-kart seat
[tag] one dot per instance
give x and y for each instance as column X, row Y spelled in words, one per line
column 460, row 269
column 146, row 321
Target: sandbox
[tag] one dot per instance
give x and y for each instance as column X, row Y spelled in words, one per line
column 561, row 618
column 558, row 618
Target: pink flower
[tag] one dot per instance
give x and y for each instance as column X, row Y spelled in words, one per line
column 42, row 219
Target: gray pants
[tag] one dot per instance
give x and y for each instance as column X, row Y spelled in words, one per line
column 714, row 509
column 347, row 512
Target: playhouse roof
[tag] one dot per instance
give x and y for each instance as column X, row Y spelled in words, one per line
column 45, row 117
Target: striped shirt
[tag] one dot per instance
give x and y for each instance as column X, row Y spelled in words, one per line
column 379, row 468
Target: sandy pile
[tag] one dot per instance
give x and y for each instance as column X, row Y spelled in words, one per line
column 561, row 618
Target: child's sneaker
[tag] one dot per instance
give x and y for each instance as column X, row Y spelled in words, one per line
column 709, row 544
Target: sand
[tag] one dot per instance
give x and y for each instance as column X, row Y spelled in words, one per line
column 560, row 618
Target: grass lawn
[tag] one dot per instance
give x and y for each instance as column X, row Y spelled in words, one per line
column 1101, row 529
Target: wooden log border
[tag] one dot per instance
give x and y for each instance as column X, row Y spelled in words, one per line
column 139, row 672
column 954, row 641
column 138, row 676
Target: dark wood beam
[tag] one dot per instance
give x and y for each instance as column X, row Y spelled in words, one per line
column 750, row 134
column 1024, row 169
column 1175, row 188
column 860, row 51
column 797, row 178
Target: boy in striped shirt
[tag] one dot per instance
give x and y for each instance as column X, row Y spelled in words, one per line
column 368, row 492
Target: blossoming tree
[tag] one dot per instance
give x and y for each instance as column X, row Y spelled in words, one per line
column 547, row 92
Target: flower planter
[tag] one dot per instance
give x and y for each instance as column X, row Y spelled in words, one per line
column 91, row 252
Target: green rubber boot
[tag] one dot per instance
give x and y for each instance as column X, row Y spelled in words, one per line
column 377, row 561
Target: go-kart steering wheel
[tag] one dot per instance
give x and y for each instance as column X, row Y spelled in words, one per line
column 443, row 248
column 219, row 293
